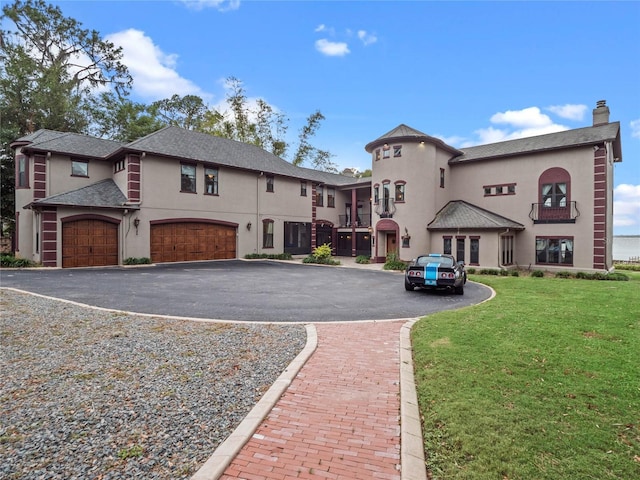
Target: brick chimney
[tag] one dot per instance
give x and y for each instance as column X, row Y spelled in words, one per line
column 601, row 113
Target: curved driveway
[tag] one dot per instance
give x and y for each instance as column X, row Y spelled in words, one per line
column 240, row 290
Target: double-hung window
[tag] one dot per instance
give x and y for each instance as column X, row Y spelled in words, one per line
column 267, row 233
column 399, row 194
column 187, row 178
column 211, row 181
column 331, row 197
column 22, row 172
column 319, row 196
column 270, row 183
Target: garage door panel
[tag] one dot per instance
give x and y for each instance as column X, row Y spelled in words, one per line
column 87, row 243
column 192, row 241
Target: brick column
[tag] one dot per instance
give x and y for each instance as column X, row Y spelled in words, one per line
column 599, row 208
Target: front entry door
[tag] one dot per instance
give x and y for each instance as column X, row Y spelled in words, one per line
column 392, row 246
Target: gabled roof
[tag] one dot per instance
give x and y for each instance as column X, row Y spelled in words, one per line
column 404, row 133
column 552, row 141
column 73, row 144
column 102, row 194
column 459, row 214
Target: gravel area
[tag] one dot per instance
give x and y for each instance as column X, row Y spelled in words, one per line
column 88, row 394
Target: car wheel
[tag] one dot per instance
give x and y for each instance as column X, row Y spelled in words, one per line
column 460, row 290
column 408, row 287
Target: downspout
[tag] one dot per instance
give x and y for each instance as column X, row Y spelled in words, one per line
column 258, row 225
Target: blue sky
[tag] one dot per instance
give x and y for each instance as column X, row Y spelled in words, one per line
column 466, row 72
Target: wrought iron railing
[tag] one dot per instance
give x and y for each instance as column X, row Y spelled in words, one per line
column 385, row 208
column 540, row 213
column 361, row 220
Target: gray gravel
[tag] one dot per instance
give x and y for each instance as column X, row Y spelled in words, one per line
column 87, row 394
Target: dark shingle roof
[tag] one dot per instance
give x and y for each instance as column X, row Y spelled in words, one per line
column 460, row 214
column 102, row 194
column 178, row 142
column 404, row 133
column 73, row 144
column 551, row 141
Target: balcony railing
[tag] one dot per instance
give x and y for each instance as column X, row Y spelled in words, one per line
column 361, row 220
column 543, row 214
column 385, row 208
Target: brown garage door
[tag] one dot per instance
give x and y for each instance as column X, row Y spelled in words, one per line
column 89, row 243
column 189, row 241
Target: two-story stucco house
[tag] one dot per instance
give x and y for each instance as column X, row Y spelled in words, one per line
column 177, row 195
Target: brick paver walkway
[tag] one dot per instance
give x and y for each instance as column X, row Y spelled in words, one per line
column 339, row 418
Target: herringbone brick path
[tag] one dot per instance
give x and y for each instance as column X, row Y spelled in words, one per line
column 339, row 418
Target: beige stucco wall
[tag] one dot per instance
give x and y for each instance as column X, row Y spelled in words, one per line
column 419, row 166
column 60, row 180
column 468, row 183
column 242, row 199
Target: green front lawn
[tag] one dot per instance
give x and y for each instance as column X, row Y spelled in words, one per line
column 542, row 382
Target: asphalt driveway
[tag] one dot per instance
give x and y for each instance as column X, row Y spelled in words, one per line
column 244, row 290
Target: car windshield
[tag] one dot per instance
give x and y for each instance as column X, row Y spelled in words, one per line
column 444, row 261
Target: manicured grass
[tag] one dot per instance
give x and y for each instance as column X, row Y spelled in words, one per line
column 542, row 382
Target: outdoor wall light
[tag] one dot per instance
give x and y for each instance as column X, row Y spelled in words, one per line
column 249, row 226
column 136, row 223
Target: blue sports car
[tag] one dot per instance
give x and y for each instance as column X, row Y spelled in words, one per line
column 435, row 271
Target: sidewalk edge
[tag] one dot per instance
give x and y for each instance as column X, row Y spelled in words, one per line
column 412, row 459
column 222, row 457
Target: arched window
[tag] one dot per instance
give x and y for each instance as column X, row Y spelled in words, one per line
column 554, row 187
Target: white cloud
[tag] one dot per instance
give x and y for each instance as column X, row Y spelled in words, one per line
column 320, row 28
column 635, row 128
column 570, row 112
column 153, row 71
column 367, row 38
column 626, row 205
column 332, row 49
column 221, row 5
column 527, row 117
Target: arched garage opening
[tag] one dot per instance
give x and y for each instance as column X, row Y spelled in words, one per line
column 89, row 241
column 188, row 240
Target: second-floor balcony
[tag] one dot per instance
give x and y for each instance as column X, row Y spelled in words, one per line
column 385, row 208
column 361, row 220
column 541, row 213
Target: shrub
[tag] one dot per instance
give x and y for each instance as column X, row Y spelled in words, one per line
column 504, row 272
column 563, row 275
column 514, row 273
column 583, row 275
column 322, row 252
column 10, row 261
column 537, row 273
column 471, row 271
column 321, row 261
column 489, row 271
column 615, row 276
column 363, row 259
column 137, row 261
column 394, row 263
column 270, row 256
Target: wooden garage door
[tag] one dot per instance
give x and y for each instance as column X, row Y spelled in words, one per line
column 89, row 243
column 185, row 242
